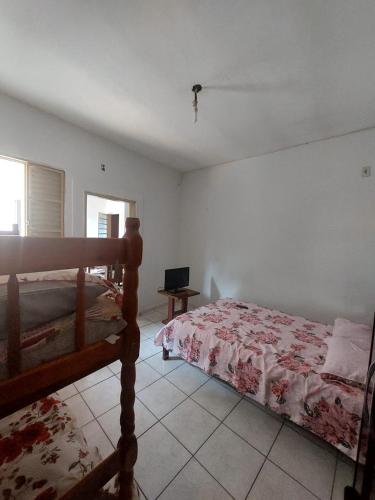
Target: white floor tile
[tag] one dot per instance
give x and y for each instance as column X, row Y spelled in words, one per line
column 103, row 396
column 95, row 437
column 66, row 392
column 216, row 398
column 305, row 461
column 115, row 367
column 145, row 376
column 155, row 315
column 187, row 378
column 162, row 307
column 149, row 331
column 160, row 457
column 110, row 421
column 190, row 424
column 163, row 367
column 255, row 425
column 93, row 378
column 161, row 397
column 144, row 419
column 80, row 410
column 141, row 321
column 193, row 482
column 311, row 437
column 148, row 348
column 344, row 477
column 273, row 483
column 233, row 462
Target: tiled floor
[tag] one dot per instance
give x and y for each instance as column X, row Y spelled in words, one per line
column 198, row 439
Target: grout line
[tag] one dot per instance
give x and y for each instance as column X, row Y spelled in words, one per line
column 174, row 477
column 334, row 477
column 293, row 478
column 139, row 486
column 265, row 459
column 256, row 477
column 220, row 422
column 170, row 411
column 213, row 477
column 91, row 412
column 286, row 472
column 102, row 428
column 163, row 374
column 96, row 383
column 159, row 420
column 179, row 388
column 274, row 441
column 204, row 468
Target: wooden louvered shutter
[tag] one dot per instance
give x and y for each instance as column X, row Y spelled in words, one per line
column 44, row 201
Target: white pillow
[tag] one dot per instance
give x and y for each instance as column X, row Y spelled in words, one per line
column 347, row 360
column 344, row 328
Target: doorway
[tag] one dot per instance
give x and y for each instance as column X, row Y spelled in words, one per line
column 106, row 215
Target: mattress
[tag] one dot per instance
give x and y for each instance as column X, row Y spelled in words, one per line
column 57, row 338
column 273, row 358
column 42, row 452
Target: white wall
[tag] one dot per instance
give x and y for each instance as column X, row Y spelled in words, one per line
column 293, row 230
column 30, row 134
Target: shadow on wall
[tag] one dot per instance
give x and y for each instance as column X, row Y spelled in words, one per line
column 214, row 291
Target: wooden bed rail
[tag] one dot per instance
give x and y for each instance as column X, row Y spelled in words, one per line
column 20, row 255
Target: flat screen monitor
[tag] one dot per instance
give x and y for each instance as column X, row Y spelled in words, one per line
column 176, row 278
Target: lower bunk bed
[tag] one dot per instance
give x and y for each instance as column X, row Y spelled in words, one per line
column 43, row 454
column 302, row 370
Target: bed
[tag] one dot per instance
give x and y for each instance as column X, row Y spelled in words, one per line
column 275, row 359
column 38, row 435
column 47, row 302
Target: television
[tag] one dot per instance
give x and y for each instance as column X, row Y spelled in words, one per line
column 176, row 279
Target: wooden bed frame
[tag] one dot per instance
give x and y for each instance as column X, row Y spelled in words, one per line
column 25, row 255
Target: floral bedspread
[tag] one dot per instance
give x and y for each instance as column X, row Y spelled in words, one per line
column 42, row 453
column 273, row 358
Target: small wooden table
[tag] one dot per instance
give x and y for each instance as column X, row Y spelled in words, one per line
column 182, row 295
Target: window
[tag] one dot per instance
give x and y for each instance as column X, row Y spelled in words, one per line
column 44, row 201
column 31, row 196
column 12, row 196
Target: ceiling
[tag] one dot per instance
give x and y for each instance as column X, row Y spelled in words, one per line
column 276, row 72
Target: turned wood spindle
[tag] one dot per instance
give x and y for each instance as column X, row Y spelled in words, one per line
column 129, row 352
column 80, row 311
column 13, row 326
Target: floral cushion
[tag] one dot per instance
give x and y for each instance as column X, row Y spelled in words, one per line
column 42, row 452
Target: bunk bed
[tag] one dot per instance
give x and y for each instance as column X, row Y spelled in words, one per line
column 23, row 387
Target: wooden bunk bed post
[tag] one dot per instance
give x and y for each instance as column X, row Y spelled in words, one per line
column 13, row 326
column 80, row 311
column 129, row 353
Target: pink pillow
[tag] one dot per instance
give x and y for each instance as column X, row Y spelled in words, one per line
column 343, row 328
column 347, row 360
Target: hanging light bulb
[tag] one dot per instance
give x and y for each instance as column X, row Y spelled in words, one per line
column 196, row 88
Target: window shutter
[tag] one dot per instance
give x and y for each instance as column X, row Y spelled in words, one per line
column 44, row 201
column 102, row 225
